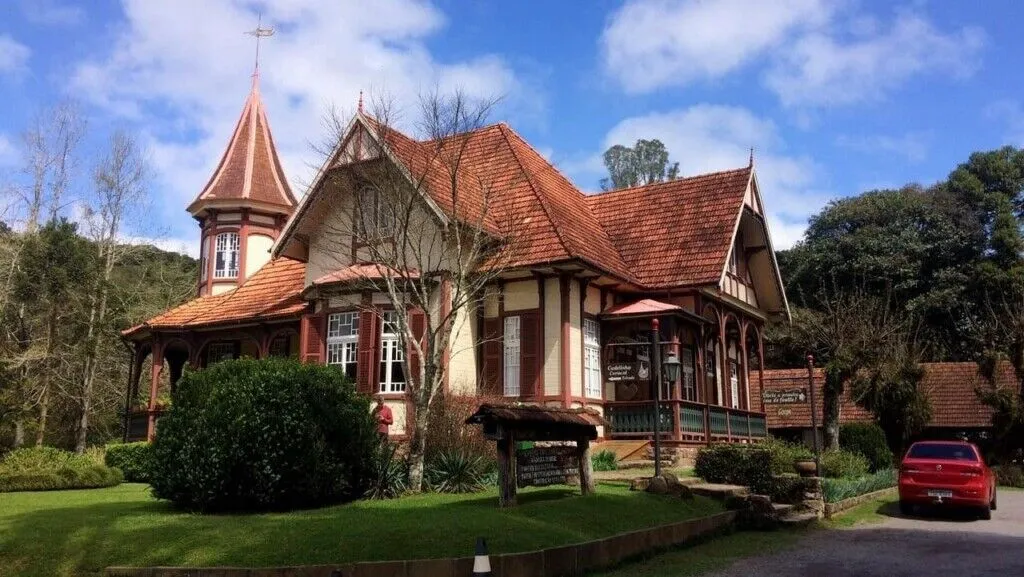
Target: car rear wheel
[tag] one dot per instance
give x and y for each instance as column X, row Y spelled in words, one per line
column 906, row 509
column 985, row 513
column 992, row 505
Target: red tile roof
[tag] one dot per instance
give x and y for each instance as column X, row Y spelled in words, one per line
column 950, row 388
column 358, row 272
column 675, row 233
column 662, row 235
column 250, row 168
column 273, row 292
column 641, row 307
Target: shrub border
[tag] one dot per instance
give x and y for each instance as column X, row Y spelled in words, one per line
column 574, row 559
column 840, row 506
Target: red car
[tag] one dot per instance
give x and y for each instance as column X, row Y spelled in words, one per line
column 949, row 473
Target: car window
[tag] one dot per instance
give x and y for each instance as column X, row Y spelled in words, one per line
column 950, row 451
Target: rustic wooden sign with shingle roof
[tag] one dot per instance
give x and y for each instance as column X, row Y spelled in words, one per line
column 509, row 425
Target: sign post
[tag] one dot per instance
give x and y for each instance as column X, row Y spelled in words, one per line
column 814, row 416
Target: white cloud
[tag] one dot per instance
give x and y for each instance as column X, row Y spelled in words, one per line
column 51, row 13
column 1009, row 114
column 913, row 145
column 13, row 54
column 648, row 44
column 185, row 77
column 819, row 69
column 812, row 52
column 707, row 138
column 8, row 152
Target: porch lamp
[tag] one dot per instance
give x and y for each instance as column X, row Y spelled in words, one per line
column 671, row 366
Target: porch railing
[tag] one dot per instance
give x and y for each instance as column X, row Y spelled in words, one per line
column 684, row 421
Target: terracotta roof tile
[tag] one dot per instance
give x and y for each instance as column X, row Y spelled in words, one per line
column 358, row 272
column 643, row 306
column 250, row 168
column 273, row 292
column 950, row 388
column 675, row 233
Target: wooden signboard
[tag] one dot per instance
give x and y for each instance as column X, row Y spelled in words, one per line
column 541, row 466
column 629, row 371
column 784, row 396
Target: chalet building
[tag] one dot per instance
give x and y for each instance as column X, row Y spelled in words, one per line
column 592, row 274
column 950, row 388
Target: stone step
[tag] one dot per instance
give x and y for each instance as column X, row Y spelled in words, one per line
column 799, row 519
column 782, row 509
column 642, row 464
column 719, row 491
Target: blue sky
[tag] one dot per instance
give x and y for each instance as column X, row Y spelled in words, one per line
column 836, row 97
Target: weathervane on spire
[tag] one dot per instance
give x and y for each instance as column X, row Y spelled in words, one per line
column 751, row 156
column 259, row 33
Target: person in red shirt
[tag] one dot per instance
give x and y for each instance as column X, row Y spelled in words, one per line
column 384, row 418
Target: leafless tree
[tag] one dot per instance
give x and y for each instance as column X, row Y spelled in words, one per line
column 120, row 191
column 423, row 217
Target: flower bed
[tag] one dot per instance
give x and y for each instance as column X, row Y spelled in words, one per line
column 835, row 490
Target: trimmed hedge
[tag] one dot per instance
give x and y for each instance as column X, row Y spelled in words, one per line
column 835, row 490
column 837, row 463
column 50, row 469
column 868, row 439
column 268, row 434
column 748, row 465
column 1010, row 475
column 134, row 459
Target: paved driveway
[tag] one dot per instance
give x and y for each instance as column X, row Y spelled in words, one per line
column 928, row 546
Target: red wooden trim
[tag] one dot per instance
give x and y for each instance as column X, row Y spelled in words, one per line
column 243, row 244
column 565, row 381
column 154, row 383
column 583, row 299
column 446, row 309
column 541, row 281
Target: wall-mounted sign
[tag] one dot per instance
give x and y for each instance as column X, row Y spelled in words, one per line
column 540, row 466
column 632, row 371
column 784, row 396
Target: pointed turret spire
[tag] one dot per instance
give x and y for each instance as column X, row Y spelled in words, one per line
column 249, row 172
column 360, row 107
column 751, row 157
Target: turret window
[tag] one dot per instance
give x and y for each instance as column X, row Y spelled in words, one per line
column 226, row 265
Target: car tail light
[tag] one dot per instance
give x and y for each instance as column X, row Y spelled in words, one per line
column 971, row 473
column 907, row 470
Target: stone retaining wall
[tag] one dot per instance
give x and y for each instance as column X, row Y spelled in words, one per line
column 839, row 507
column 574, row 559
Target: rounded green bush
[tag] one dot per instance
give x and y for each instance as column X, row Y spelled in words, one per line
column 868, row 439
column 837, row 463
column 747, row 465
column 134, row 460
column 48, row 469
column 270, row 434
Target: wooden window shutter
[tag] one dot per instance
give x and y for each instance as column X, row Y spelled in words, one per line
column 312, row 337
column 494, row 351
column 366, row 359
column 417, row 322
column 531, row 340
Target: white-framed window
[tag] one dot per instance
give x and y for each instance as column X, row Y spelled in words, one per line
column 512, row 349
column 343, row 341
column 226, row 264
column 221, row 351
column 592, row 358
column 734, row 375
column 376, row 217
column 392, row 353
column 689, row 375
column 204, row 259
column 711, row 368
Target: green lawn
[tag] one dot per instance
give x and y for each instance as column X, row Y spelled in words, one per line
column 874, row 511
column 66, row 533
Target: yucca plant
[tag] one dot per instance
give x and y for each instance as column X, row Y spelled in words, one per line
column 389, row 476
column 604, row 461
column 456, row 472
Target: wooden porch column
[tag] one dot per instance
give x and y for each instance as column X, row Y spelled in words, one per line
column 760, row 367
column 154, row 384
column 744, row 376
column 702, row 382
column 723, row 365
column 134, row 375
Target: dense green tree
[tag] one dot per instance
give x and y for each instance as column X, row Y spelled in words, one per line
column 645, row 163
